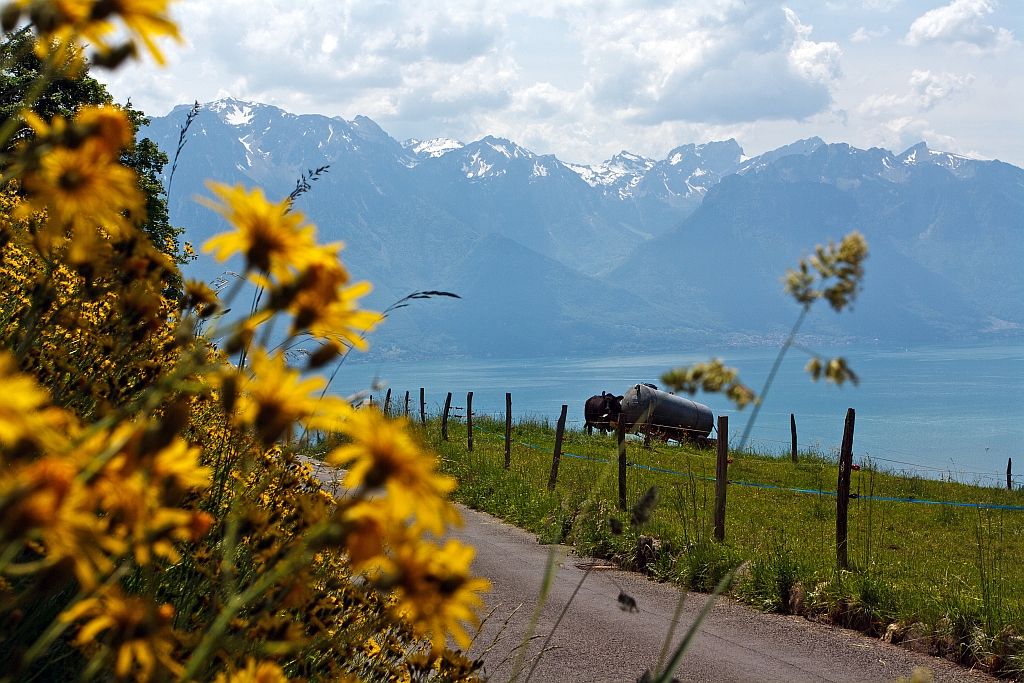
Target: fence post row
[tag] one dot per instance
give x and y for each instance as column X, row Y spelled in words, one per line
column 469, row 421
column 423, row 408
column 721, row 476
column 620, row 430
column 843, row 489
column 557, row 456
column 444, row 416
column 508, row 430
column 387, row 402
column 1009, row 475
column 407, row 405
column 792, row 428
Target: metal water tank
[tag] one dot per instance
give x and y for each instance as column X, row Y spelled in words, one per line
column 674, row 416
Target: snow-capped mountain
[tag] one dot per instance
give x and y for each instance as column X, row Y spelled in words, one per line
column 633, row 253
column 491, row 157
column 624, row 170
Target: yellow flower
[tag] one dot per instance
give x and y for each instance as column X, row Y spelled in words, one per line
column 109, row 128
column 138, row 632
column 43, row 500
column 33, row 495
column 143, row 19
column 59, row 20
column 262, row 672
column 84, row 189
column 383, row 454
column 366, row 526
column 276, row 397
column 51, row 15
column 23, row 407
column 343, row 321
column 176, row 469
column 435, row 591
column 316, row 287
column 272, row 239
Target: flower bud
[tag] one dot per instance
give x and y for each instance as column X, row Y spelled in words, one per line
column 324, row 355
column 113, row 58
column 9, row 17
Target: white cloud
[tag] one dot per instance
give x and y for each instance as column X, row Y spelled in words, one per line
column 960, row 24
column 901, row 133
column 862, row 35
column 718, row 63
column 580, row 78
column 816, row 62
column 926, row 91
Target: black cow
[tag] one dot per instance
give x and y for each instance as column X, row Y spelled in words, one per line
column 601, row 411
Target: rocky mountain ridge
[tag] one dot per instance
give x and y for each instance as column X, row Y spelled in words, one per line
column 634, row 254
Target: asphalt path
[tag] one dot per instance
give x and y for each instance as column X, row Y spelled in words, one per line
column 598, row 641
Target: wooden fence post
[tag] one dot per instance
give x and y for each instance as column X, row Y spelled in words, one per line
column 721, row 476
column 557, row 454
column 792, row 428
column 387, row 401
column 407, row 405
column 469, row 421
column 423, row 408
column 843, row 489
column 508, row 430
column 621, row 433
column 1009, row 475
column 444, row 416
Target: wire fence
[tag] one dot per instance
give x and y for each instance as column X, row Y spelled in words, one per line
column 821, row 492
column 905, row 466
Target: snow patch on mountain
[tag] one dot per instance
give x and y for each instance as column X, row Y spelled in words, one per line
column 622, row 165
column 434, row 147
column 478, row 167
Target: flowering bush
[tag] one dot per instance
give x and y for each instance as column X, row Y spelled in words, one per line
column 157, row 520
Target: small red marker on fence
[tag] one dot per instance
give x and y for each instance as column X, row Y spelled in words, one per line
column 855, row 468
column 729, row 461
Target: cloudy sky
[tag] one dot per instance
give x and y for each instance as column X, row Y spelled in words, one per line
column 584, row 79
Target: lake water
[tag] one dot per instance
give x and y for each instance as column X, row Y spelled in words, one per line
column 940, row 410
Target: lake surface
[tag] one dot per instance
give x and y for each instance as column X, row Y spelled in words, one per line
column 940, row 410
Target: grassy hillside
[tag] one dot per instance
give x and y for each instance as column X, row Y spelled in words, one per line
column 943, row 579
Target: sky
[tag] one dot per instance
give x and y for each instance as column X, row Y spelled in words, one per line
column 585, row 79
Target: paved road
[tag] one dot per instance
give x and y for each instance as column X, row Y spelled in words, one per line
column 597, row 642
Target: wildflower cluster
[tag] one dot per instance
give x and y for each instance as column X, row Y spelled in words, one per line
column 837, row 271
column 712, row 377
column 834, row 274
column 158, row 520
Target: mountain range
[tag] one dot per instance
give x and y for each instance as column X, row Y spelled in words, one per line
column 631, row 255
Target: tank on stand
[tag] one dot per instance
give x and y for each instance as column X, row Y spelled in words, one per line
column 645, row 406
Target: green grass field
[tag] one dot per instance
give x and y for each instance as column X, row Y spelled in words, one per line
column 947, row 578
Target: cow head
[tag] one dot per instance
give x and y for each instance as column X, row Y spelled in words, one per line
column 603, row 411
column 612, row 407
